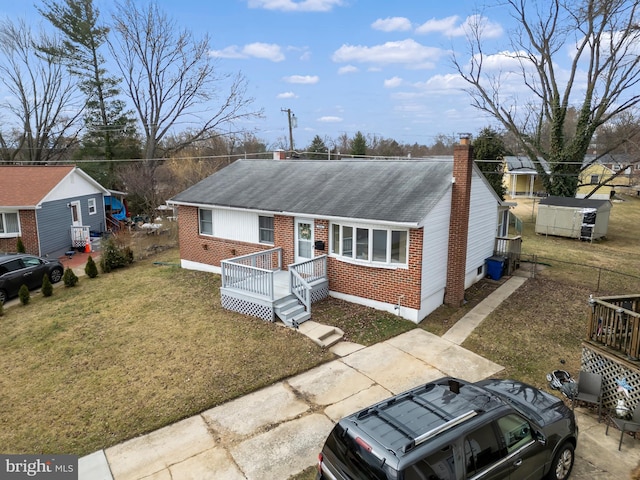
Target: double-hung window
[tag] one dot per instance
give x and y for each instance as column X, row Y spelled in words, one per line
column 265, row 225
column 91, row 204
column 9, row 224
column 205, row 218
column 370, row 244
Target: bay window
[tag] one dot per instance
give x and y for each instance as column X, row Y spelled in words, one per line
column 374, row 245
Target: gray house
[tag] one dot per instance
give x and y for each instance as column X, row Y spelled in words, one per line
column 52, row 208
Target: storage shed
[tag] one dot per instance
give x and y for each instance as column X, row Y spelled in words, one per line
column 581, row 218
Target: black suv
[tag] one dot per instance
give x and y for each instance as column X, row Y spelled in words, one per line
column 17, row 269
column 451, row 430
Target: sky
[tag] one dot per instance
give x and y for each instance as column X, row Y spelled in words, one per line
column 380, row 67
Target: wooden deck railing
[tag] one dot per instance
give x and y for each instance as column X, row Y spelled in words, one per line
column 614, row 322
column 303, row 274
column 510, row 248
column 252, row 273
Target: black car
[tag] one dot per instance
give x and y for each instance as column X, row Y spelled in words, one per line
column 452, row 430
column 17, row 269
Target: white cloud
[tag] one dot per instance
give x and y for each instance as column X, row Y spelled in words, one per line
column 438, row 26
column 330, row 119
column 393, row 82
column 392, row 24
column 287, row 95
column 450, row 27
column 347, row 69
column 407, row 52
column 302, row 79
column 267, row 51
column 296, row 6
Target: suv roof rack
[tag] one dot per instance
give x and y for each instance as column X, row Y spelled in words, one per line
column 433, row 408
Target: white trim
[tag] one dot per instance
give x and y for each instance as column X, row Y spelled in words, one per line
column 202, row 267
column 297, row 214
column 407, row 313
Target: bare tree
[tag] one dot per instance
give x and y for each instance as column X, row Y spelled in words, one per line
column 170, row 78
column 43, row 108
column 600, row 83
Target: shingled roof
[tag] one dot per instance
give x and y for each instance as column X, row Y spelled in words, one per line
column 26, row 186
column 376, row 190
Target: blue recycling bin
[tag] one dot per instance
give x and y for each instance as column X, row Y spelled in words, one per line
column 495, row 267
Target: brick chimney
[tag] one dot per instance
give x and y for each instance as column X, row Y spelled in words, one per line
column 459, row 222
column 279, row 155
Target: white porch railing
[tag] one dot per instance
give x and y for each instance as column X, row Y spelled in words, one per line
column 80, row 236
column 252, row 273
column 303, row 274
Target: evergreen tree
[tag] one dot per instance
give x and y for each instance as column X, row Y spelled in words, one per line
column 20, row 246
column 317, row 150
column 91, row 269
column 47, row 288
column 69, row 278
column 359, row 145
column 488, row 152
column 24, row 295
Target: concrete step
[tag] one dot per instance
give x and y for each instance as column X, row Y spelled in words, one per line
column 323, row 335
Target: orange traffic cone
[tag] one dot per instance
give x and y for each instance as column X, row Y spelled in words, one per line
column 87, row 247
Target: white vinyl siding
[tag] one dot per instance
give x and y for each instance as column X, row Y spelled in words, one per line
column 237, row 225
column 480, row 239
column 435, row 246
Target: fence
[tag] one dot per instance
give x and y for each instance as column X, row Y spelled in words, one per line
column 600, row 280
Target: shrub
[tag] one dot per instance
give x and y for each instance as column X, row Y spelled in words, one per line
column 24, row 295
column 20, row 246
column 69, row 278
column 91, row 269
column 47, row 288
column 114, row 256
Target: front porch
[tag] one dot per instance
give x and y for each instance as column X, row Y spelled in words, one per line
column 256, row 285
column 612, row 347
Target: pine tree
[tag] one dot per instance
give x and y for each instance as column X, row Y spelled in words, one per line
column 24, row 295
column 91, row 269
column 488, row 152
column 69, row 278
column 47, row 288
column 359, row 145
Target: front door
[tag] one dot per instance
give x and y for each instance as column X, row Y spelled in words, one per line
column 76, row 214
column 304, row 239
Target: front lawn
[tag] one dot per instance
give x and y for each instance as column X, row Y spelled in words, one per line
column 129, row 352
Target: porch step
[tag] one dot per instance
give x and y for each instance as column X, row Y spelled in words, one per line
column 291, row 312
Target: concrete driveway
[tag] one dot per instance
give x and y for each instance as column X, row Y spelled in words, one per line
column 278, row 431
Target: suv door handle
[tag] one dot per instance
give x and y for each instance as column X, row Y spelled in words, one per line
column 517, row 463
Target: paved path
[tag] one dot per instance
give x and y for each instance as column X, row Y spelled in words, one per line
column 278, row 431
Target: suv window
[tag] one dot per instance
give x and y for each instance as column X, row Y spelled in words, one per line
column 31, row 261
column 516, row 432
column 437, row 466
column 11, row 266
column 481, row 449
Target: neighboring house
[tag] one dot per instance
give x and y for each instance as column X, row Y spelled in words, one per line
column 401, row 236
column 605, row 170
column 52, row 208
column 521, row 178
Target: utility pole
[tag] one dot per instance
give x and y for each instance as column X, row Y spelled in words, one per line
column 292, row 123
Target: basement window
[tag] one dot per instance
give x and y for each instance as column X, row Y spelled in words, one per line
column 374, row 245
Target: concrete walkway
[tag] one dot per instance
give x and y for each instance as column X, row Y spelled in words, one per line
column 278, row 431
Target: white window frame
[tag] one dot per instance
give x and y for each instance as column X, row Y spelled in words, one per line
column 3, row 233
column 337, row 250
column 91, row 206
column 262, row 229
column 200, row 210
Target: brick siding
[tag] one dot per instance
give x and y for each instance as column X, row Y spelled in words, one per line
column 28, row 231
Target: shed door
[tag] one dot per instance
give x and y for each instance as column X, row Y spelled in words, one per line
column 304, row 239
column 76, row 214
